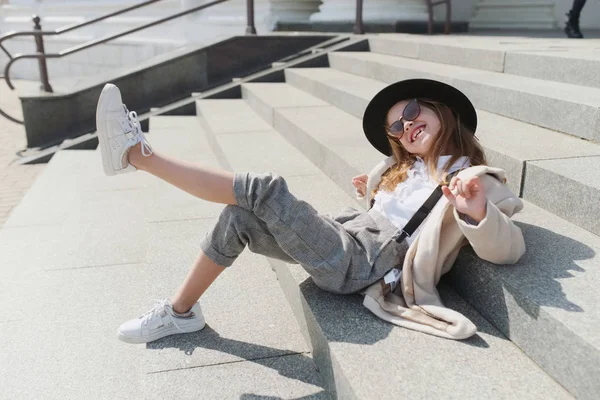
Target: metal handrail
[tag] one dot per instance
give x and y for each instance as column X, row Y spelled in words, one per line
column 42, row 56
column 359, row 27
column 69, row 28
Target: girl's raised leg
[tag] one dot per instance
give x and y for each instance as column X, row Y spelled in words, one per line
column 124, row 148
column 206, row 183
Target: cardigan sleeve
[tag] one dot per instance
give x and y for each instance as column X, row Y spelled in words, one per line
column 374, row 177
column 496, row 238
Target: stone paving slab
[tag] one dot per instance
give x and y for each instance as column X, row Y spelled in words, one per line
column 167, row 133
column 577, row 68
column 344, row 143
column 289, row 377
column 287, row 97
column 59, row 189
column 255, row 144
column 497, row 39
column 454, row 53
column 547, row 302
column 572, row 181
column 551, row 59
column 245, row 120
column 333, row 86
column 566, row 108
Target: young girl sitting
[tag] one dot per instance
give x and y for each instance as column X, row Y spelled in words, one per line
column 427, row 130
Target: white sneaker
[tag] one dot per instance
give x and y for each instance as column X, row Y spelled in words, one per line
column 159, row 322
column 118, row 131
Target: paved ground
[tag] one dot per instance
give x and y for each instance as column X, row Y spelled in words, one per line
column 15, row 180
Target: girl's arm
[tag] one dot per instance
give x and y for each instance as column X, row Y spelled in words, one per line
column 486, row 224
column 496, row 238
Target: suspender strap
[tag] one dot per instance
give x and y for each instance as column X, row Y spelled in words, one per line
column 422, row 213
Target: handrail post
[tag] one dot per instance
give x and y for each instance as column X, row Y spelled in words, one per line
column 39, row 44
column 250, row 29
column 359, row 27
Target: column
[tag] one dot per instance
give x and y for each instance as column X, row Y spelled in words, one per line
column 229, row 18
column 515, row 14
column 293, row 10
column 373, row 11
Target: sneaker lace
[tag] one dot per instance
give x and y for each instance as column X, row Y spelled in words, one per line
column 137, row 129
column 159, row 308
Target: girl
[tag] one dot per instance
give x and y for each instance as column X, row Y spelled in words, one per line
column 426, row 127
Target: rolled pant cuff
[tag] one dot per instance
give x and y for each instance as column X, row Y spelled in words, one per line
column 240, row 191
column 214, row 255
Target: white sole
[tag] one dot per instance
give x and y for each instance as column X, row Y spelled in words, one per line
column 152, row 338
column 102, row 137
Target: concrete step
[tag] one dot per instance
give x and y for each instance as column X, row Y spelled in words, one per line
column 552, row 319
column 123, row 241
column 535, row 158
column 558, row 60
column 352, row 348
column 571, row 109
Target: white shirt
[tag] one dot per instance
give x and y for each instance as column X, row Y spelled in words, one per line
column 400, row 205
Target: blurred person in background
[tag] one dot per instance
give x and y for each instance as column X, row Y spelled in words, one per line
column 572, row 25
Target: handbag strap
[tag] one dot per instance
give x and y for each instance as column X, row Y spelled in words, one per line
column 422, row 213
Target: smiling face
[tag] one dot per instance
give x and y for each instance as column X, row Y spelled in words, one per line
column 419, row 135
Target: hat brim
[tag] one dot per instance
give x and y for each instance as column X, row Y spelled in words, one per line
column 374, row 119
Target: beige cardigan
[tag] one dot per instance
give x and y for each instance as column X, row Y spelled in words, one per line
column 415, row 303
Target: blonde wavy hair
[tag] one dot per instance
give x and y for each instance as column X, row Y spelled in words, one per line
column 454, row 139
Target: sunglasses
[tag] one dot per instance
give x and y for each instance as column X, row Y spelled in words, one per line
column 410, row 113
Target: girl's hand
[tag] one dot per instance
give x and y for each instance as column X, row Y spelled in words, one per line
column 360, row 183
column 470, row 198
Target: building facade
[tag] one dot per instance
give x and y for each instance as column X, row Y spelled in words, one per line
column 229, row 19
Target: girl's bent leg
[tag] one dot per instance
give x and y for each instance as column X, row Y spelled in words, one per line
column 202, row 275
column 206, row 183
column 181, row 314
column 236, row 229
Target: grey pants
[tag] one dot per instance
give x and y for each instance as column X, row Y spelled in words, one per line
column 343, row 254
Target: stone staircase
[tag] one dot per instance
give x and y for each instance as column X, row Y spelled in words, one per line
column 532, row 127
column 105, row 246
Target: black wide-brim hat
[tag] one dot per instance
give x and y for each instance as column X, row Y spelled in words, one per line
column 374, row 119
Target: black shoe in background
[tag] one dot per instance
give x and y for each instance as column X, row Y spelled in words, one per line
column 572, row 27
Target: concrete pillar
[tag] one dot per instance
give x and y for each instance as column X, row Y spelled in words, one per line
column 373, row 10
column 232, row 14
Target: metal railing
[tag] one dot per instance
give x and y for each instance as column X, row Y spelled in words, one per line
column 359, row 27
column 41, row 55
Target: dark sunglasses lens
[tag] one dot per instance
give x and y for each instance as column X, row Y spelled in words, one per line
column 411, row 111
column 397, row 128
